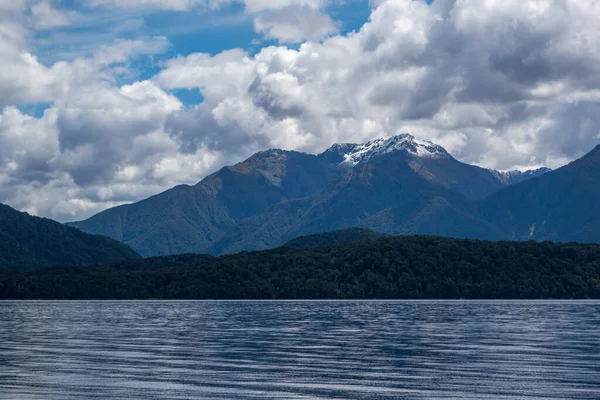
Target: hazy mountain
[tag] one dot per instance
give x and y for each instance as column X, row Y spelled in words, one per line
column 561, row 205
column 515, row 176
column 27, row 241
column 397, row 185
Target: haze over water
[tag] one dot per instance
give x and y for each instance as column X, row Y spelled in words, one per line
column 299, row 350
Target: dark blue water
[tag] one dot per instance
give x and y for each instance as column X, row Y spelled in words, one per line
column 299, row 350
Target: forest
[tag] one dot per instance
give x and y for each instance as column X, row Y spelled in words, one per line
column 404, row 267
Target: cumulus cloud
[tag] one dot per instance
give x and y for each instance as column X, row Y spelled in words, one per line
column 495, row 74
column 294, row 24
column 502, row 84
column 97, row 148
column 24, row 79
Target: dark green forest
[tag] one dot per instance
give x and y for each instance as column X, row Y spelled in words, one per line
column 27, row 242
column 407, row 267
column 333, row 238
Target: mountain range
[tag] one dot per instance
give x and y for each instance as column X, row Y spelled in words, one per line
column 398, row 185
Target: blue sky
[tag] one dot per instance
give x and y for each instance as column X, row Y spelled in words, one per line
column 194, row 30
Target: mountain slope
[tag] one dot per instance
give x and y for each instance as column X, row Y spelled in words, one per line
column 561, row 205
column 276, row 195
column 27, row 241
column 188, row 219
column 385, row 194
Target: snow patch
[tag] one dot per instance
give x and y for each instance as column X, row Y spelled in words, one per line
column 354, row 154
column 515, row 176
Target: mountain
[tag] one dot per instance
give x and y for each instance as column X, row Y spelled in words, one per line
column 393, row 192
column 188, row 219
column 515, row 176
column 27, row 241
column 396, row 185
column 432, row 162
column 561, row 205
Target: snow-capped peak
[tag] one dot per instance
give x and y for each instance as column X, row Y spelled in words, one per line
column 515, row 176
column 352, row 154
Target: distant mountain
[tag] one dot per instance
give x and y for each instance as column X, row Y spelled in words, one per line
column 27, row 241
column 352, row 154
column 561, row 205
column 515, row 176
column 397, row 185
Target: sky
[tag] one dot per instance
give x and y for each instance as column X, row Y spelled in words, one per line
column 105, row 102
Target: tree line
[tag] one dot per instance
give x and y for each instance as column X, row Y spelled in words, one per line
column 408, row 267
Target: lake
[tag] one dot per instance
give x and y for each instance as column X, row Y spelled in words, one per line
column 300, row 350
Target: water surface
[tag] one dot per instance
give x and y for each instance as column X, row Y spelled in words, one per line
column 299, row 350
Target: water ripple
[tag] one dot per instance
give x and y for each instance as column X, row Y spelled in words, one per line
column 299, row 350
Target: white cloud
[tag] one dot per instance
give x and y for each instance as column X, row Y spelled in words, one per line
column 182, row 5
column 224, row 74
column 261, row 5
column 45, row 16
column 288, row 21
column 99, row 147
column 24, row 79
column 176, row 5
column 11, row 6
column 294, row 24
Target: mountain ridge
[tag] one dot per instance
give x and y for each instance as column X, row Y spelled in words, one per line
column 275, row 195
column 557, row 206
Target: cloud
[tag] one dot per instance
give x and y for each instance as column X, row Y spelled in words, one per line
column 102, row 130
column 491, row 72
column 502, row 84
column 288, row 21
column 261, row 5
column 12, row 6
column 182, row 5
column 100, row 147
column 46, row 17
column 176, row 5
column 294, row 24
column 25, row 79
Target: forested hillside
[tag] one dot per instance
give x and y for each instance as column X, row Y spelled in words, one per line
column 410, row 267
column 27, row 241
